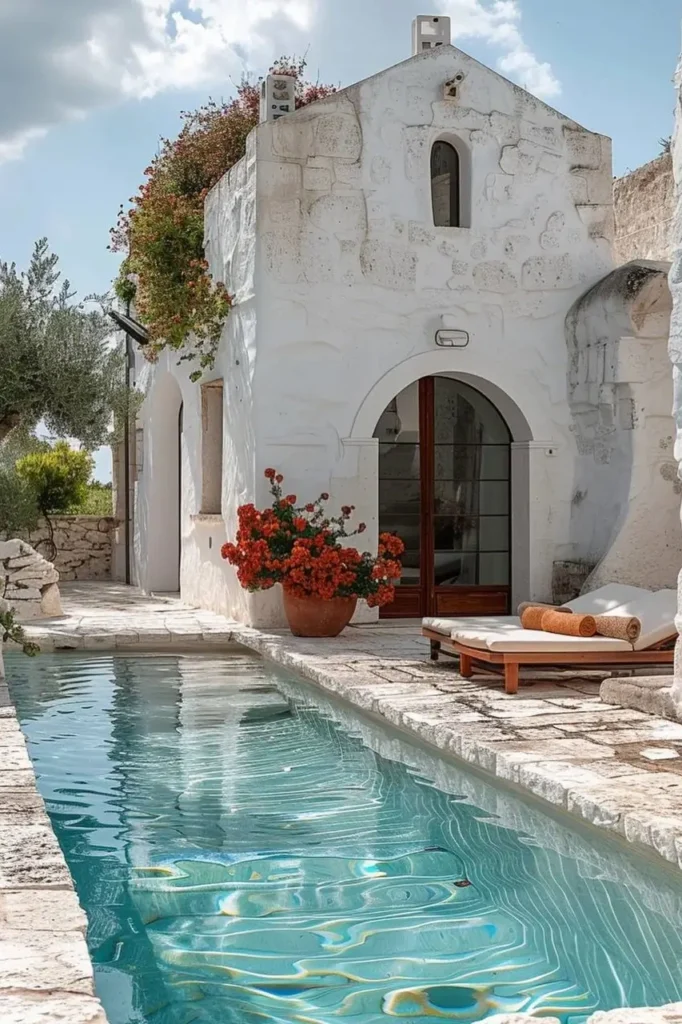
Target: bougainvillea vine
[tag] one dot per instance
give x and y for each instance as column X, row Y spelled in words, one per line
column 162, row 232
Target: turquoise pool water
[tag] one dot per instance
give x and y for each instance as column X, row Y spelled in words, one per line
column 247, row 851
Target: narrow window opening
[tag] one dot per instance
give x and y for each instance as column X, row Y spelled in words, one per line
column 212, row 447
column 445, row 185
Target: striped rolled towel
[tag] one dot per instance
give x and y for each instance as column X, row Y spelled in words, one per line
column 569, row 625
column 619, row 627
column 525, row 605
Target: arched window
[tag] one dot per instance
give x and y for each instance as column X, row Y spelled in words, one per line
column 445, row 185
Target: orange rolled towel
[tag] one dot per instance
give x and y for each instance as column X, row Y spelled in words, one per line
column 532, row 615
column 525, row 605
column 569, row 625
column 619, row 627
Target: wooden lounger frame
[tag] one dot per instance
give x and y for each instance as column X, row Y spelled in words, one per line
column 510, row 662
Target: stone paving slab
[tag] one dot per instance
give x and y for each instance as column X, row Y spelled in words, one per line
column 556, row 740
column 652, row 694
column 46, row 976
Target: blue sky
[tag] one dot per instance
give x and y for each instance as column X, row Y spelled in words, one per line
column 101, row 80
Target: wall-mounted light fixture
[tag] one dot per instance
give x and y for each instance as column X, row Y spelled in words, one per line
column 452, row 339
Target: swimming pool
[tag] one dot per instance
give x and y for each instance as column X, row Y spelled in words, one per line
column 247, row 850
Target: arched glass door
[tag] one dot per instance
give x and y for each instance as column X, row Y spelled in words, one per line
column 444, row 488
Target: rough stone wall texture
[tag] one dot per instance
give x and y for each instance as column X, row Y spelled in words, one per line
column 644, row 207
column 676, row 338
column 325, row 234
column 28, row 582
column 620, row 393
column 83, row 546
column 568, row 580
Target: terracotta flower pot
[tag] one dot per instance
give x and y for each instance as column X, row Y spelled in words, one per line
column 310, row 616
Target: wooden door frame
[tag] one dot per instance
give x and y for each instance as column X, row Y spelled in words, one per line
column 426, row 598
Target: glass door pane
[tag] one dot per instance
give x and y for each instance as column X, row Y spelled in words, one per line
column 471, row 488
column 400, row 478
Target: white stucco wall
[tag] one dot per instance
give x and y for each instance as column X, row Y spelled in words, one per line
column 324, row 233
column 676, row 337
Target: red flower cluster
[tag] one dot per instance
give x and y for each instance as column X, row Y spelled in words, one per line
column 300, row 548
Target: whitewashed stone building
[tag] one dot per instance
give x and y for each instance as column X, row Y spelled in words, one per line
column 430, row 326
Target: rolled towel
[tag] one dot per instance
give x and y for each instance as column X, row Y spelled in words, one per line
column 569, row 625
column 525, row 605
column 532, row 614
column 620, row 627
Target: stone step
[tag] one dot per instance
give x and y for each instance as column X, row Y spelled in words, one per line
column 651, row 694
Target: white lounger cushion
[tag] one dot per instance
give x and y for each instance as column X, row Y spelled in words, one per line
column 606, row 600
column 535, row 641
column 450, row 626
column 656, row 611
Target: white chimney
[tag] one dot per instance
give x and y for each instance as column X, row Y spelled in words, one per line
column 277, row 97
column 430, row 31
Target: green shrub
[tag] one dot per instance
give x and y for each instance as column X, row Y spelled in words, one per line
column 98, row 501
column 59, row 477
column 18, row 505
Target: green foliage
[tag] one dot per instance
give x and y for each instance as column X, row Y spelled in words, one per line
column 163, row 232
column 59, row 477
column 57, row 360
column 124, row 287
column 11, row 630
column 98, row 501
column 18, row 506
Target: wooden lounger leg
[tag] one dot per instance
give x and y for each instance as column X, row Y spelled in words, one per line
column 511, row 677
column 435, row 649
column 465, row 667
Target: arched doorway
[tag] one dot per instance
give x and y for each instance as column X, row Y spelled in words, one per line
column 445, row 489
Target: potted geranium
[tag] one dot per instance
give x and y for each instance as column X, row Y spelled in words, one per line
column 301, row 548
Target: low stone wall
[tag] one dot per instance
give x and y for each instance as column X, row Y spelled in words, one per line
column 83, row 546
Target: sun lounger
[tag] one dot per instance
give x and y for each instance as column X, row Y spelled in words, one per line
column 501, row 642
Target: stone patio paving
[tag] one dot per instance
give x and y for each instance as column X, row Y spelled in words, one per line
column 618, row 768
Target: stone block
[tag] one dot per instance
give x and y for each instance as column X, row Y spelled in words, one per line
column 337, row 135
column 44, row 868
column 24, row 560
column 343, row 216
column 50, row 1008
column 549, row 273
column 20, row 806
column 44, row 961
column 388, row 266
column 57, row 911
column 9, row 548
column 584, row 148
column 17, row 594
column 495, row 277
column 317, row 179
column 50, row 601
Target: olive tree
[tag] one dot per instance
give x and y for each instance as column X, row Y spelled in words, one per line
column 57, row 362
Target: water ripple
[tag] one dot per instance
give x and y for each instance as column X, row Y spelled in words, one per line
column 246, row 853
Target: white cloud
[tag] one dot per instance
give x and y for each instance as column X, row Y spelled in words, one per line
column 498, row 23
column 60, row 60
